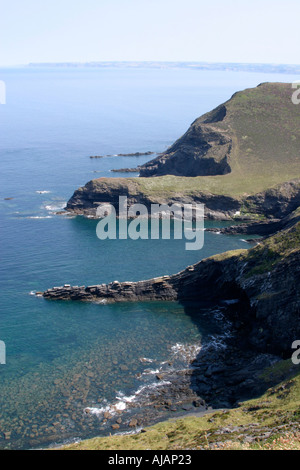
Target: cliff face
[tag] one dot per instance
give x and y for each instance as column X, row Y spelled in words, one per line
column 203, row 150
column 85, row 200
column 260, row 287
column 275, row 203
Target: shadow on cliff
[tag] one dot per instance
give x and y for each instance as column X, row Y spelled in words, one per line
column 228, row 369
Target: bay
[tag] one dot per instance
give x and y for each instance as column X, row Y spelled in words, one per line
column 62, row 357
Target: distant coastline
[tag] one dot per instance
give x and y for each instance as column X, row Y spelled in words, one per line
column 219, row 66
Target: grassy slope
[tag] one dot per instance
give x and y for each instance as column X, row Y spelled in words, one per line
column 274, row 249
column 265, row 127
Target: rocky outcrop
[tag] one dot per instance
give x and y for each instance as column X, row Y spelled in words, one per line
column 267, row 227
column 277, row 202
column 155, row 289
column 135, row 154
column 253, row 129
column 125, row 170
column 86, row 199
column 273, row 204
column 260, row 289
column 256, row 296
column 202, row 151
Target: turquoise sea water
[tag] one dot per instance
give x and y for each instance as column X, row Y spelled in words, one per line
column 62, row 357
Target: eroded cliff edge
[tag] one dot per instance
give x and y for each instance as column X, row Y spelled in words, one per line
column 203, row 150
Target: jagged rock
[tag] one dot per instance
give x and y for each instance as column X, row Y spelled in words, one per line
column 203, row 150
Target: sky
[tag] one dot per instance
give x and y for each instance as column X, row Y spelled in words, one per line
column 256, row 31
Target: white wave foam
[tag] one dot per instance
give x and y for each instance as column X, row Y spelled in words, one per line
column 96, row 411
column 128, row 433
column 152, row 386
column 39, row 217
column 121, row 404
column 43, row 192
column 187, row 351
column 151, row 371
column 145, row 359
column 100, row 302
column 122, row 401
column 55, row 206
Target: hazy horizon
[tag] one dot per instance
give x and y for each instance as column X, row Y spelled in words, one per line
column 231, row 31
column 155, row 62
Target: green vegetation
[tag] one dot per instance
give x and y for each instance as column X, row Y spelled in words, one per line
column 274, row 249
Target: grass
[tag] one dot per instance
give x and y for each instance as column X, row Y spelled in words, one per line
column 274, row 249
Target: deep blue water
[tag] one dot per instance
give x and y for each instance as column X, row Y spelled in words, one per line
column 62, row 357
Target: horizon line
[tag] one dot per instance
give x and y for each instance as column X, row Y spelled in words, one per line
column 200, row 62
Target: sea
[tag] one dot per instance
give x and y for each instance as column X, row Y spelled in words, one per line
column 62, row 358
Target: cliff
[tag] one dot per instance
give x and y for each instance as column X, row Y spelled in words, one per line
column 203, row 150
column 272, row 204
column 241, row 157
column 248, row 132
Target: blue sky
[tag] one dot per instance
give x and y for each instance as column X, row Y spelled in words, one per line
column 262, row 31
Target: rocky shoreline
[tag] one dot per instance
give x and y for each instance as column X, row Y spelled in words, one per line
column 252, row 295
column 125, row 170
column 213, row 374
column 134, row 154
column 255, row 293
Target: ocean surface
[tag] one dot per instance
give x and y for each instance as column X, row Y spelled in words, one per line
column 62, row 357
